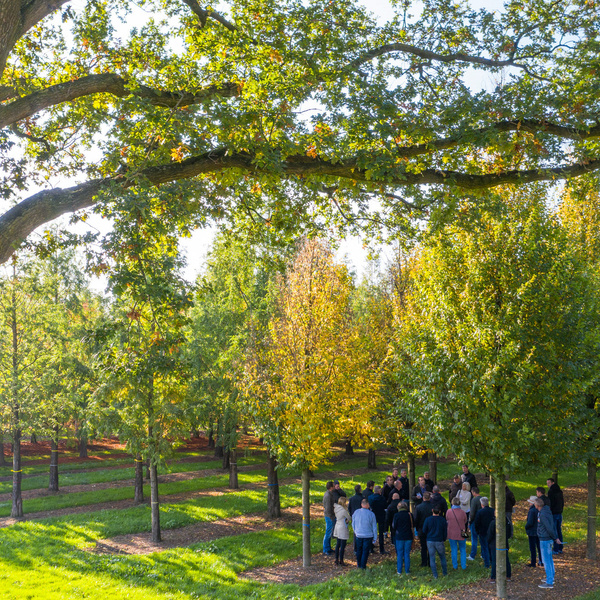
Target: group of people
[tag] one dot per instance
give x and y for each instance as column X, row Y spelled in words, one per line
column 382, row 510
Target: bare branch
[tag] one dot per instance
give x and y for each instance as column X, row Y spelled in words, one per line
column 204, row 15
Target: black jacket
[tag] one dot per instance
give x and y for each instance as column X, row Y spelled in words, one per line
column 510, row 500
column 531, row 524
column 377, row 505
column 438, row 501
column 403, row 525
column 485, row 515
column 390, row 511
column 557, row 501
column 423, row 511
column 417, row 490
column 337, row 494
column 354, row 503
column 469, row 478
column 491, row 533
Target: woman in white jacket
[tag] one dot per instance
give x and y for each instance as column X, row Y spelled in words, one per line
column 341, row 531
column 464, row 497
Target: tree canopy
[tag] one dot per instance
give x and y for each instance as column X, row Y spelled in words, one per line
column 270, row 107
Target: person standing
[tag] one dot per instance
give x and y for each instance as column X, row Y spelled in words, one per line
column 532, row 536
column 341, row 531
column 481, row 525
column 491, row 539
column 540, row 492
column 428, row 481
column 403, row 527
column 438, row 500
column 435, row 530
column 364, row 525
column 457, row 523
column 405, row 493
column 329, row 517
column 337, row 492
column 419, row 491
column 475, row 508
column 378, row 506
column 390, row 513
column 355, row 500
column 510, row 502
column 546, row 531
column 368, row 490
column 423, row 512
column 455, row 487
column 464, row 497
column 468, row 477
column 557, row 504
column 388, row 487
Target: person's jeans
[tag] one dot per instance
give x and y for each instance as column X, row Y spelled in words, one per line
column 558, row 523
column 439, row 548
column 328, row 533
column 456, row 545
column 474, row 538
column 403, row 555
column 534, row 545
column 340, row 547
column 508, row 567
column 363, row 545
column 546, row 548
column 485, row 553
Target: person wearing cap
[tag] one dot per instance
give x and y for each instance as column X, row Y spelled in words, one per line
column 337, row 492
column 546, row 530
column 455, row 487
column 531, row 531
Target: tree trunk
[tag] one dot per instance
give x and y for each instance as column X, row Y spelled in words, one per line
column 17, row 500
column 155, row 508
column 2, row 455
column 226, row 459
column 555, row 475
column 53, row 483
column 233, row 470
column 138, row 486
column 148, row 475
column 492, row 492
column 195, row 434
column 33, row 438
column 273, row 502
column 83, row 444
column 306, row 518
column 349, row 449
column 501, row 549
column 372, row 459
column 432, row 466
column 211, row 438
column 410, row 467
column 592, row 482
column 219, row 451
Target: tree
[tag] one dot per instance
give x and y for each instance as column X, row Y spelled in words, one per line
column 214, row 104
column 308, row 383
column 495, row 329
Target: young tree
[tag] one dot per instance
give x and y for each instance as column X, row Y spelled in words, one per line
column 309, row 383
column 491, row 346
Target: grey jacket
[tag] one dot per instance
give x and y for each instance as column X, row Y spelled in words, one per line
column 328, row 505
column 546, row 529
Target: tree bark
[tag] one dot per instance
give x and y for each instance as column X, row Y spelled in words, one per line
column 592, row 482
column 219, row 451
column 492, row 492
column 233, row 470
column 53, row 483
column 83, row 444
column 372, row 459
column 17, row 500
column 154, row 503
column 33, row 438
column 211, row 438
column 226, row 459
column 555, row 475
column 2, row 455
column 410, row 467
column 148, row 474
column 138, row 493
column 306, row 555
column 349, row 450
column 432, row 465
column 501, row 545
column 273, row 502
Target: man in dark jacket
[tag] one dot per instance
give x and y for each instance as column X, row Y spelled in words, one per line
column 424, row 510
column 354, row 502
column 329, row 518
column 546, row 530
column 510, row 502
column 491, row 541
column 419, row 491
column 540, row 492
column 468, row 477
column 481, row 524
column 368, row 490
column 557, row 504
column 455, row 487
column 337, row 492
column 378, row 505
column 390, row 511
column 438, row 501
column 475, row 508
column 435, row 530
column 388, row 488
column 405, row 493
column 428, row 481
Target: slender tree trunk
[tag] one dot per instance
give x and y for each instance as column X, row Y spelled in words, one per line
column 432, row 465
column 306, row 556
column 17, row 500
column 492, row 492
column 83, row 443
column 501, row 545
column 349, row 449
column 592, row 482
column 226, row 459
column 372, row 459
column 2, row 455
column 53, row 483
column 410, row 467
column 148, row 474
column 211, row 438
column 219, row 451
column 154, row 503
column 273, row 502
column 195, row 434
column 555, row 475
column 138, row 489
column 233, row 470
column 33, row 438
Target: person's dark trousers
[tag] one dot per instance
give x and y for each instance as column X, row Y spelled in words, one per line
column 381, row 529
column 340, row 547
column 363, row 545
column 558, row 522
column 485, row 552
column 424, row 552
column 508, row 567
column 534, row 543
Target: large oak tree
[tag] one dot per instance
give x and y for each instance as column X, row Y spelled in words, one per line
column 318, row 98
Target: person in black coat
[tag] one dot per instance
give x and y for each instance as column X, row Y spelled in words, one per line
column 491, row 539
column 403, row 527
column 390, row 511
column 438, row 501
column 377, row 505
column 368, row 490
column 337, row 492
column 485, row 515
column 405, row 491
column 419, row 491
column 468, row 477
column 531, row 531
column 510, row 501
column 424, row 510
column 354, row 502
column 557, row 504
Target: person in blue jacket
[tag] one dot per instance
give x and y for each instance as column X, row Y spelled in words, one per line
column 546, row 530
column 435, row 530
column 531, row 531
